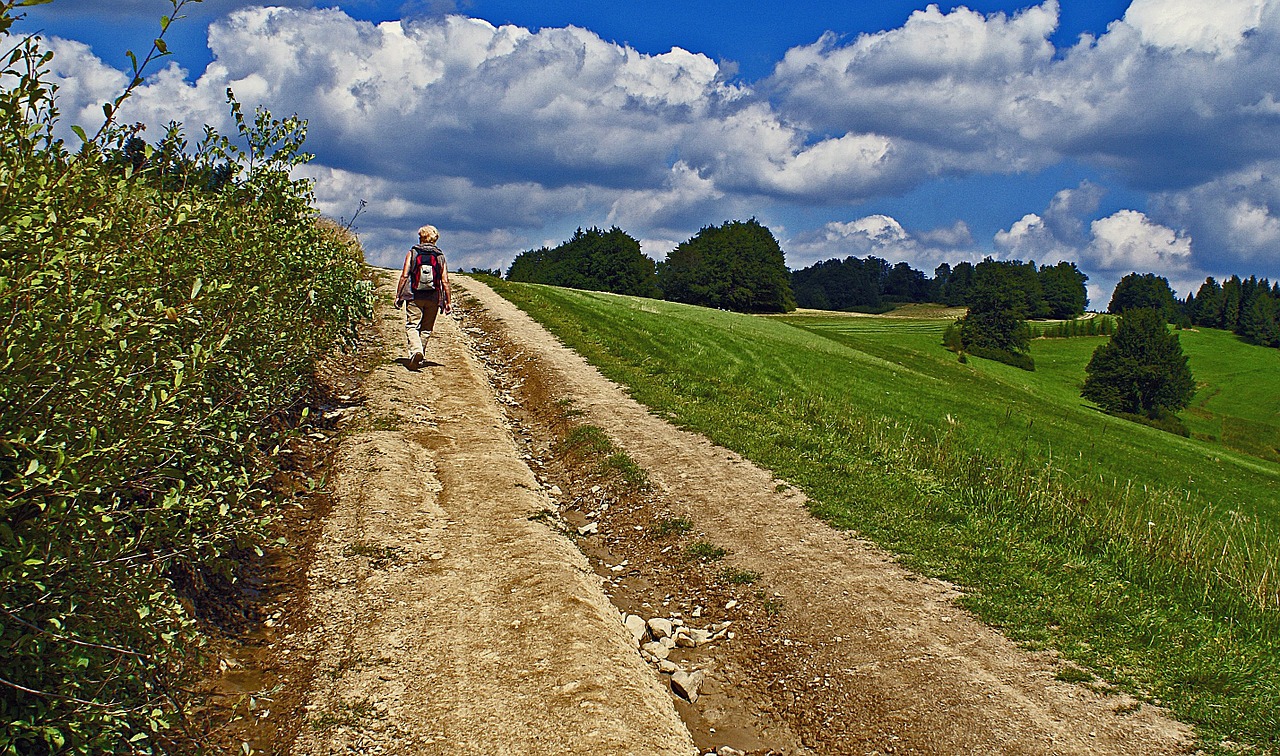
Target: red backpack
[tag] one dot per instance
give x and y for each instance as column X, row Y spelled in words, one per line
column 424, row 270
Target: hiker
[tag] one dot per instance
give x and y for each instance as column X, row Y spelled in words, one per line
column 423, row 291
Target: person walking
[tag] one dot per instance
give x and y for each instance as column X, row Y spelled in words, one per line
column 423, row 291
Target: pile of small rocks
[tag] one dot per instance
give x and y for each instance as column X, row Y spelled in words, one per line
column 657, row 637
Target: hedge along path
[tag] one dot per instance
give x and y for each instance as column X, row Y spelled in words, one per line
column 911, row 667
column 444, row 619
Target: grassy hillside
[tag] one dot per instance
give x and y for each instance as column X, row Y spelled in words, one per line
column 1149, row 558
column 1238, row 403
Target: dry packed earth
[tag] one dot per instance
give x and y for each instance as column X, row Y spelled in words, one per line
column 522, row 560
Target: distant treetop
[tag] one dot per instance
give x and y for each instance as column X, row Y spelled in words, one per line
column 593, row 259
column 738, row 266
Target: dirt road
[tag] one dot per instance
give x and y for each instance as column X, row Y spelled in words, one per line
column 462, row 591
column 445, row 620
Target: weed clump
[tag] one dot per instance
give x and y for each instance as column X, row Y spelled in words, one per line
column 588, row 443
column 702, row 551
column 670, row 526
column 737, row 576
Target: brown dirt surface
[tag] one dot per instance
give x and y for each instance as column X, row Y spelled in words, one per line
column 483, row 543
column 838, row 648
column 446, row 616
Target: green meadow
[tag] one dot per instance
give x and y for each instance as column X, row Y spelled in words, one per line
column 1148, row 559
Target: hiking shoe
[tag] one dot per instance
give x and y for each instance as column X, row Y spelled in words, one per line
column 416, row 361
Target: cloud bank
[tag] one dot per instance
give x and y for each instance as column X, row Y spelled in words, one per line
column 507, row 138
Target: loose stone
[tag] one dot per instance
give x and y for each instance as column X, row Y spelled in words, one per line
column 637, row 626
column 687, row 684
column 660, row 628
column 656, row 650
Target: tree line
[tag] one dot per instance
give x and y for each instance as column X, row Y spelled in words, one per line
column 871, row 284
column 735, row 266
column 1250, row 307
column 739, row 266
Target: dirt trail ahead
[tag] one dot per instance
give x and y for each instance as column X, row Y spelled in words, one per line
column 450, row 617
column 891, row 663
column 445, row 620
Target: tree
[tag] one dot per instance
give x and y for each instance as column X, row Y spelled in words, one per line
column 955, row 291
column 995, row 325
column 593, row 259
column 738, row 266
column 1207, row 310
column 1260, row 321
column 1144, row 291
column 1141, row 370
column 1232, row 298
column 902, row 283
column 1064, row 292
column 840, row 284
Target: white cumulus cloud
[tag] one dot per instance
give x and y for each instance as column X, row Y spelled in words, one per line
column 483, row 127
column 884, row 237
column 1129, row 240
column 1209, row 26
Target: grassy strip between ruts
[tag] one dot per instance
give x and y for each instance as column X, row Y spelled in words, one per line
column 1061, row 533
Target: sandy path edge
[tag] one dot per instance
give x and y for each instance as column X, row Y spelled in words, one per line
column 445, row 620
column 920, row 670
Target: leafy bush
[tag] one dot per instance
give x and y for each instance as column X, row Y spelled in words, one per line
column 159, row 334
column 1016, row 359
column 951, row 338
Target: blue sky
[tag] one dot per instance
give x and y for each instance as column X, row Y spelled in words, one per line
column 1121, row 136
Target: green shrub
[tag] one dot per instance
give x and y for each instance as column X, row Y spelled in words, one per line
column 160, row 333
column 1016, row 359
column 951, row 338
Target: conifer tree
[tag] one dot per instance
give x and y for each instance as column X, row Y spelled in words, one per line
column 1141, row 370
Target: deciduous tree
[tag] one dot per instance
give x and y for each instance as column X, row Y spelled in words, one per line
column 593, row 259
column 1063, row 290
column 738, row 266
column 1144, row 291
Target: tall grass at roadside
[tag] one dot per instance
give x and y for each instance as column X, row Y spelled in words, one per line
column 1149, row 558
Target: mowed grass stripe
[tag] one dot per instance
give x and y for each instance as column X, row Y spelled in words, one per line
column 1146, row 557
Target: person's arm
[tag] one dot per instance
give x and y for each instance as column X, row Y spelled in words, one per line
column 404, row 276
column 444, row 285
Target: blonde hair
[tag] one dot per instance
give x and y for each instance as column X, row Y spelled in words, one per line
column 428, row 234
